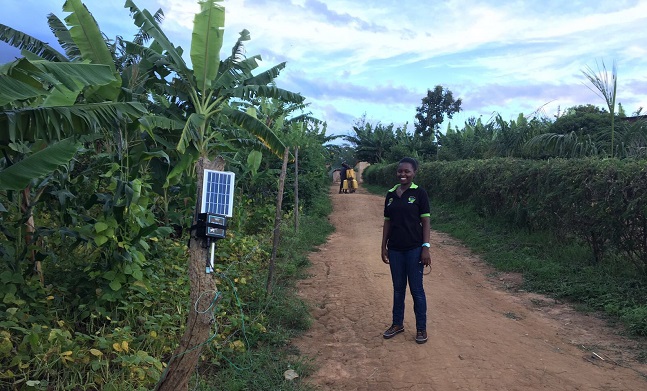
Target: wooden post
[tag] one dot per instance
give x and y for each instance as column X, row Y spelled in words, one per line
column 203, row 290
column 277, row 221
column 296, row 189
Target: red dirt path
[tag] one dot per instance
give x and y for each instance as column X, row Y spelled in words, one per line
column 484, row 333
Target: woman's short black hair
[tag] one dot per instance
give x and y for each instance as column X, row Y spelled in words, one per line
column 411, row 161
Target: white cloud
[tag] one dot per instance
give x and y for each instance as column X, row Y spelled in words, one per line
column 363, row 55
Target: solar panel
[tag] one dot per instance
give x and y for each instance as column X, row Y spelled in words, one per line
column 218, row 192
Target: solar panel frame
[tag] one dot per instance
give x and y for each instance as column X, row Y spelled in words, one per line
column 218, row 192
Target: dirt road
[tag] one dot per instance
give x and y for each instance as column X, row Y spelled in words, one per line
column 484, row 333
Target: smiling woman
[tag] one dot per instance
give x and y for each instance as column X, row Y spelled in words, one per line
column 405, row 247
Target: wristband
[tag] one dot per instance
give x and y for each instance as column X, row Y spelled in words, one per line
column 426, row 245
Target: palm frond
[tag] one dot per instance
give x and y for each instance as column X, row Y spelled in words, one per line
column 147, row 23
column 26, row 42
column 250, row 92
column 604, row 84
column 238, row 50
column 64, row 37
column 232, row 74
column 563, row 145
column 43, row 162
column 56, row 123
column 257, row 128
column 266, row 77
column 142, row 37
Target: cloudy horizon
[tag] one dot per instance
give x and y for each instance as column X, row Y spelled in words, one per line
column 349, row 59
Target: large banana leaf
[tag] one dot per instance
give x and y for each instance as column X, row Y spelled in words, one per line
column 256, row 128
column 266, row 77
column 233, row 73
column 86, row 34
column 150, row 122
column 147, row 54
column 149, row 26
column 192, row 132
column 151, row 60
column 249, row 92
column 61, row 96
column 12, row 90
column 88, row 38
column 18, row 175
column 24, row 41
column 186, row 162
column 24, row 78
column 64, row 37
column 73, row 75
column 206, row 42
column 55, row 123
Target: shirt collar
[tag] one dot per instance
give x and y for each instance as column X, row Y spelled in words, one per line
column 413, row 186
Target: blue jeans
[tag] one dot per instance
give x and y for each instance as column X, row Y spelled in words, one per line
column 405, row 266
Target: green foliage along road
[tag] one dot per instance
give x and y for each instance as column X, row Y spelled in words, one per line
column 97, row 189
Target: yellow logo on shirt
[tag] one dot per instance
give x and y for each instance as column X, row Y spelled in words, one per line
column 412, row 199
column 390, row 201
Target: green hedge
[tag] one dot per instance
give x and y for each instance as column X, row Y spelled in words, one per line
column 602, row 202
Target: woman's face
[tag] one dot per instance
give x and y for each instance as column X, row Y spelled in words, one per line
column 405, row 173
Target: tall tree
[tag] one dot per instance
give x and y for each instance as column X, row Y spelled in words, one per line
column 438, row 103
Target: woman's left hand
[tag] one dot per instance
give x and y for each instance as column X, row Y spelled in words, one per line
column 425, row 256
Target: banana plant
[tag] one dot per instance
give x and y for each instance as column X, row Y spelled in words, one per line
column 50, row 100
column 51, row 95
column 208, row 91
column 203, row 101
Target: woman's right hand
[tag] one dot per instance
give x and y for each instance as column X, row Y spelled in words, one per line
column 385, row 255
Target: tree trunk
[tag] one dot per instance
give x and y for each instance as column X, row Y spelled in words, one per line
column 203, row 290
column 30, row 229
column 277, row 221
column 296, row 189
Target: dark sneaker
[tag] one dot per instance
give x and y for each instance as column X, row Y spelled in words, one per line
column 421, row 336
column 393, row 330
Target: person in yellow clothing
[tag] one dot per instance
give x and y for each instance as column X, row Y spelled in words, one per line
column 350, row 177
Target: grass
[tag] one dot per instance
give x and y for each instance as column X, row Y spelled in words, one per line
column 262, row 369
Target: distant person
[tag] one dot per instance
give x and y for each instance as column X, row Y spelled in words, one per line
column 350, row 178
column 342, row 178
column 405, row 247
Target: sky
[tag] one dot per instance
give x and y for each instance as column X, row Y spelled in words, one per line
column 378, row 58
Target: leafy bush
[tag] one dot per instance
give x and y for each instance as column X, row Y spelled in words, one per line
column 600, row 202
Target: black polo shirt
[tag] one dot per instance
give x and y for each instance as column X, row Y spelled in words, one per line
column 404, row 214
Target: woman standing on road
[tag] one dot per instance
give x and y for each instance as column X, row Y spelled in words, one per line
column 405, row 246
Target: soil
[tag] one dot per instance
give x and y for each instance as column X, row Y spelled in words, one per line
column 485, row 333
